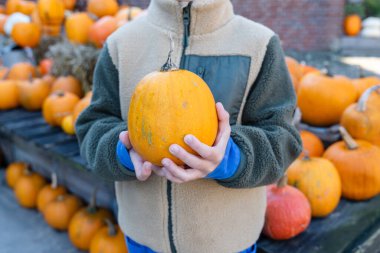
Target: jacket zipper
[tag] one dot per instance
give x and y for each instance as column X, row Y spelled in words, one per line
column 185, row 43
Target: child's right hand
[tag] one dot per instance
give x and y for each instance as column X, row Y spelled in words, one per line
column 143, row 168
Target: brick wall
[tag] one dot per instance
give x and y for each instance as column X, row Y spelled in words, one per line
column 301, row 24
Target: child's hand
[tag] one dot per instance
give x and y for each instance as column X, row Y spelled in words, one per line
column 143, row 169
column 208, row 159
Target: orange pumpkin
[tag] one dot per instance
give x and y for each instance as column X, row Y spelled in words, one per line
column 294, row 68
column 2, row 9
column 288, row 211
column 86, row 223
column 352, row 25
column 101, row 29
column 160, row 115
column 26, row 7
column 45, row 66
column 306, row 69
column 127, row 14
column 52, row 12
column 13, row 172
column 33, row 93
column 59, row 212
column 27, row 188
column 58, row 105
column 323, row 98
column 77, row 27
column 364, row 83
column 362, row 120
column 83, row 104
column 3, row 19
column 26, row 34
column 358, row 164
column 319, row 180
column 49, row 193
column 68, row 125
column 69, row 4
column 50, row 79
column 68, row 84
column 36, row 18
column 9, row 94
column 22, row 71
column 102, row 8
column 312, row 144
column 11, row 6
column 108, row 239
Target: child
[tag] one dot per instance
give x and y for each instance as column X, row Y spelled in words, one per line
column 218, row 203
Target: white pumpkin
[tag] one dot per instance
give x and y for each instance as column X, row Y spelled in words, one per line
column 13, row 19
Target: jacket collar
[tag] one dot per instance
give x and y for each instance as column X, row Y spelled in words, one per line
column 206, row 15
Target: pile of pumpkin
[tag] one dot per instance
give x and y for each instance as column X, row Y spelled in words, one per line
column 26, row 21
column 349, row 168
column 89, row 228
column 59, row 98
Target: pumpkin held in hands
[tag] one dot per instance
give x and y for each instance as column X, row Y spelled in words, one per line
column 165, row 107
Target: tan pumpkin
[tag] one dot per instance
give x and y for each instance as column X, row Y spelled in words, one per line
column 108, row 239
column 312, row 144
column 59, row 212
column 33, row 93
column 9, row 94
column 101, row 29
column 323, row 98
column 86, row 223
column 22, row 71
column 358, row 164
column 13, row 172
column 58, row 105
column 49, row 193
column 352, row 25
column 82, row 104
column 68, row 84
column 362, row 121
column 160, row 115
column 319, row 180
column 77, row 27
column 27, row 188
column 52, row 12
column 102, row 8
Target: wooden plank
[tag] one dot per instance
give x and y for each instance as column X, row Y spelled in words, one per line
column 26, row 123
column 53, row 139
column 68, row 149
column 37, row 132
column 17, row 114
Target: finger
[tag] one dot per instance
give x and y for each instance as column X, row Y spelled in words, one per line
column 189, row 159
column 144, row 172
column 124, row 138
column 202, row 149
column 179, row 172
column 169, row 176
column 157, row 170
column 224, row 121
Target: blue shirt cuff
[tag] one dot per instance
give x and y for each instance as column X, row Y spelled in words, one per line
column 124, row 157
column 230, row 163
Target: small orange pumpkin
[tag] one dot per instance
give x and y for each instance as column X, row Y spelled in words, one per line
column 102, row 8
column 13, row 172
column 33, row 93
column 50, row 79
column 364, row 83
column 352, row 25
column 77, row 27
column 101, row 29
column 68, row 84
column 127, row 14
column 11, row 6
column 49, row 193
column 59, row 212
column 26, row 7
column 45, row 66
column 294, row 68
column 312, row 144
column 358, row 164
column 85, row 223
column 9, row 94
column 83, row 104
column 108, row 239
column 27, row 188
column 22, row 71
column 68, row 125
column 52, row 12
column 58, row 105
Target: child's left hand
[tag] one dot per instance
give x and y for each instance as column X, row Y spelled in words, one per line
column 208, row 158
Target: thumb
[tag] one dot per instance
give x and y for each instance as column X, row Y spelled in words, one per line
column 124, row 138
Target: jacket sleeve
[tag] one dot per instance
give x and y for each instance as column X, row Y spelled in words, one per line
column 99, row 125
column 266, row 137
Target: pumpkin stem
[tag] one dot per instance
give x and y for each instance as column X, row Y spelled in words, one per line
column 283, row 181
column 169, row 64
column 351, row 144
column 60, row 93
column 27, row 170
column 111, row 227
column 362, row 104
column 361, row 72
column 60, row 197
column 54, row 180
column 326, row 69
column 92, row 205
column 129, row 16
column 306, row 155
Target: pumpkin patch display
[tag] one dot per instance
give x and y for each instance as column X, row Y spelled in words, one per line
column 312, row 144
column 13, row 172
column 27, row 188
column 108, row 239
column 59, row 212
column 51, row 12
column 68, row 84
column 9, row 94
column 57, row 106
column 33, row 93
column 86, row 223
column 22, row 71
column 160, row 115
column 319, row 180
column 101, row 29
column 323, row 98
column 358, row 164
column 49, row 193
column 77, row 27
column 101, row 8
column 352, row 25
column 362, row 120
column 288, row 211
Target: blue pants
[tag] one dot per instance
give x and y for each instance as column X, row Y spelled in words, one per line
column 134, row 247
